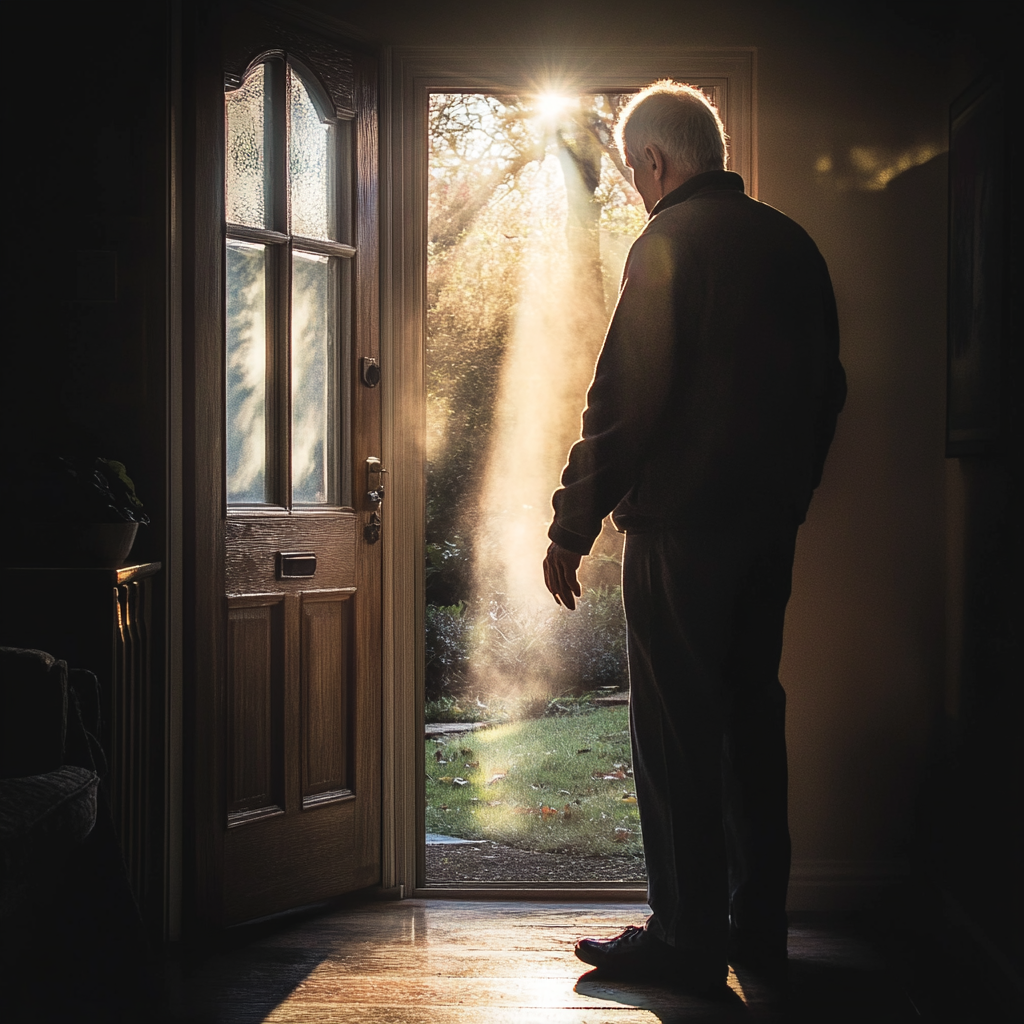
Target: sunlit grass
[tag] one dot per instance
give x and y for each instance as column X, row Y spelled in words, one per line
column 556, row 785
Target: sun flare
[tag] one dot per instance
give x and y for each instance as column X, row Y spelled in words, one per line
column 551, row 104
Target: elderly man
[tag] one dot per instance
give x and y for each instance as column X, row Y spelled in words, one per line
column 712, row 408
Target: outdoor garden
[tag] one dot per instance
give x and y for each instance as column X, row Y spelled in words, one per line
column 531, row 215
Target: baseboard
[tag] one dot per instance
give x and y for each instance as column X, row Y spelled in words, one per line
column 842, row 885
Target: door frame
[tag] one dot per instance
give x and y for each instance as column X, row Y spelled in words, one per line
column 407, row 75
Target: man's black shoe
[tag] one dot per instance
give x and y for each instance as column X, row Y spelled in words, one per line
column 637, row 955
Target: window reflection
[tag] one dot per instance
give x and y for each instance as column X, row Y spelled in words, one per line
column 313, row 314
column 246, row 372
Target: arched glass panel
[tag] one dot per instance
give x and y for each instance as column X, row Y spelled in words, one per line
column 247, row 181
column 311, row 149
column 286, row 310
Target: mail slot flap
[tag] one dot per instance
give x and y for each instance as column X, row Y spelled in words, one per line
column 295, row 563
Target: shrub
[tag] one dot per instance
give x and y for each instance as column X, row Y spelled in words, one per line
column 447, row 648
column 552, row 652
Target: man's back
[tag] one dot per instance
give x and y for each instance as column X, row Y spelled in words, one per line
column 718, row 386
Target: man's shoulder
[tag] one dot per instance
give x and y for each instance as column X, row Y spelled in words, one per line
column 721, row 216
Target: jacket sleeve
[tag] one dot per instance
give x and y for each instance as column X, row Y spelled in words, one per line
column 627, row 397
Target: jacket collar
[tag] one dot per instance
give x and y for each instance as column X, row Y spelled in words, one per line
column 706, row 182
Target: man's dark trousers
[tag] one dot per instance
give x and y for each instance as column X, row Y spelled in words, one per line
column 705, row 611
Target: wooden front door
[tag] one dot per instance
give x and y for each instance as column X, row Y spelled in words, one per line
column 301, row 733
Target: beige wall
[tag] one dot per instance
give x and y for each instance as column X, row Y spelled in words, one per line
column 863, row 664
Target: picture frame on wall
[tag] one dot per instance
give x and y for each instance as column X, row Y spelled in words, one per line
column 977, row 246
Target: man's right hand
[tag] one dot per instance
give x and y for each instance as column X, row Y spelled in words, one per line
column 560, row 567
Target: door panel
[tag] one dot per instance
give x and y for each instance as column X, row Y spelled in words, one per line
column 253, row 546
column 294, row 748
column 255, row 694
column 293, row 860
column 303, row 714
column 326, row 695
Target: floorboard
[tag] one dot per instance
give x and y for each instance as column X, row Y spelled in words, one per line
column 466, row 962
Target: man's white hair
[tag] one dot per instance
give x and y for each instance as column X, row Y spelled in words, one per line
column 678, row 119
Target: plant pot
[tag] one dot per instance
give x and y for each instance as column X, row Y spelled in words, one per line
column 105, row 545
column 85, row 545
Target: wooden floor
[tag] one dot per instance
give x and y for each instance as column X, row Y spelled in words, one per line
column 470, row 962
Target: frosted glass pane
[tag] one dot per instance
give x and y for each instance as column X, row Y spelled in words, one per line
column 246, row 372
column 310, row 152
column 314, row 314
column 246, row 186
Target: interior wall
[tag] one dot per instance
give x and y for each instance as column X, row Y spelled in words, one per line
column 840, row 100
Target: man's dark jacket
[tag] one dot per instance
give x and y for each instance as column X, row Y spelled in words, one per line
column 715, row 396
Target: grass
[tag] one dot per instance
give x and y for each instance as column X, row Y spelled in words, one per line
column 559, row 784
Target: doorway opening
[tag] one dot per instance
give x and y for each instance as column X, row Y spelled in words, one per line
column 531, row 213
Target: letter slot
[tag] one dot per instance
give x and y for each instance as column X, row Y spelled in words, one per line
column 295, row 564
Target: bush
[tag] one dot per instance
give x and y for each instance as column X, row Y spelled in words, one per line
column 553, row 653
column 447, row 648
column 592, row 641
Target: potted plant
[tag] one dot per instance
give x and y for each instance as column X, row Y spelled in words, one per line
column 85, row 513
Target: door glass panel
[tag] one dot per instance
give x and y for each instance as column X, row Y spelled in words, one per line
column 314, row 362
column 247, row 179
column 246, row 372
column 310, row 165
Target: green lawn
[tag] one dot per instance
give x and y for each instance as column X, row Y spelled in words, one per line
column 561, row 784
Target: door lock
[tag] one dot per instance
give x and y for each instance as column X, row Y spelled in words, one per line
column 375, row 497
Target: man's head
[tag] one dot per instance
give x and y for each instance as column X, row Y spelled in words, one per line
column 667, row 134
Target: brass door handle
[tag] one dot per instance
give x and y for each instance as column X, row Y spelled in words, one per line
column 375, row 496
